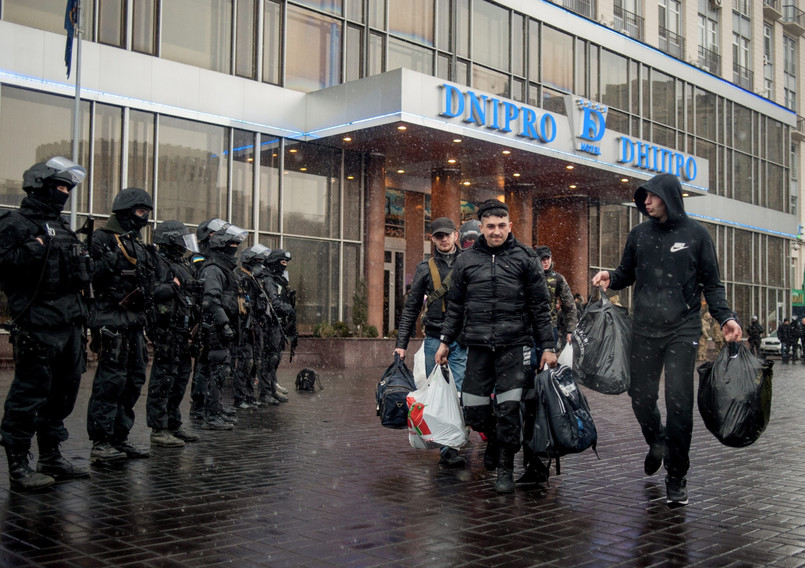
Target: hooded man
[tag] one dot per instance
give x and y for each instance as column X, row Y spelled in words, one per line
column 44, row 270
column 671, row 260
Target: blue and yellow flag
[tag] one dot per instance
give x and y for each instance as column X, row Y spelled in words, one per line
column 70, row 24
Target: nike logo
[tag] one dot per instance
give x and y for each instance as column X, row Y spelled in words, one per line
column 678, row 246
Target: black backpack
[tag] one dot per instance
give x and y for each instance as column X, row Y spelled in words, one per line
column 393, row 388
column 307, row 379
column 560, row 421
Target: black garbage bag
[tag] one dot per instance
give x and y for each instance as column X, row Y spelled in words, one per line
column 735, row 395
column 601, row 345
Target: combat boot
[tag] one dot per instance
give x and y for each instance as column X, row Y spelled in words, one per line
column 21, row 475
column 165, row 439
column 492, row 454
column 52, row 463
column 505, row 482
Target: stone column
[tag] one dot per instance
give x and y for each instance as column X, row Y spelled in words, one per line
column 563, row 225
column 375, row 237
column 521, row 211
column 445, row 194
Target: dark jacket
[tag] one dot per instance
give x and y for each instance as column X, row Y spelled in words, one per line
column 671, row 265
column 283, row 302
column 784, row 332
column 498, row 298
column 123, row 278
column 754, row 331
column 219, row 304
column 61, row 263
column 421, row 286
column 175, row 305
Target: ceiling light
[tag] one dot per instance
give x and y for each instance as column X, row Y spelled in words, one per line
column 347, row 139
column 451, row 161
column 302, row 169
column 456, row 140
column 293, row 150
column 507, row 152
column 686, row 194
column 573, row 186
column 402, row 127
column 466, row 183
column 350, row 177
column 516, row 175
column 249, row 159
column 401, row 171
column 624, row 180
column 569, row 167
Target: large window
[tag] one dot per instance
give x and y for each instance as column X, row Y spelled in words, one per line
column 141, row 150
column 490, row 27
column 243, row 179
column 192, row 171
column 313, row 51
column 412, row 20
column 557, row 59
column 311, row 194
column 35, row 127
column 108, row 131
column 790, row 72
column 198, row 32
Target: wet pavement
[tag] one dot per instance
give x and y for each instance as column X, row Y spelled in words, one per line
column 317, row 482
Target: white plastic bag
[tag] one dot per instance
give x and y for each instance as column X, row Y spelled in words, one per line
column 566, row 356
column 420, row 377
column 434, row 414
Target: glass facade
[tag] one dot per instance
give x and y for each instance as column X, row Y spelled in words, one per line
column 299, row 194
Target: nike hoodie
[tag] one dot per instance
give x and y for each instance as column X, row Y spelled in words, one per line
column 671, row 265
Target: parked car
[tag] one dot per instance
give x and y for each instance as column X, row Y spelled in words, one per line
column 770, row 345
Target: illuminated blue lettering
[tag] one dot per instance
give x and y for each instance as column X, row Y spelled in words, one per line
column 511, row 113
column 477, row 109
column 593, row 125
column 451, row 95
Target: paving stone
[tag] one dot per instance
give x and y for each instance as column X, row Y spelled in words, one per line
column 318, row 482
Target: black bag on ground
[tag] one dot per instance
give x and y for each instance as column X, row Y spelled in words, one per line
column 735, row 395
column 558, row 419
column 307, row 379
column 394, row 386
column 601, row 346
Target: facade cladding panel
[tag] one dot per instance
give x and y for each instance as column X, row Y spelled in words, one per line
column 285, row 118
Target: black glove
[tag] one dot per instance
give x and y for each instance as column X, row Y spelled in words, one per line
column 227, row 334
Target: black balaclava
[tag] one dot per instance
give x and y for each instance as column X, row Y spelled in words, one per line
column 51, row 196
column 130, row 221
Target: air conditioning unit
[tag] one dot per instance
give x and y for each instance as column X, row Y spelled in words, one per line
column 715, row 4
column 766, row 60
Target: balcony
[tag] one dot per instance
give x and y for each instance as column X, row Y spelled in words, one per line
column 793, row 20
column 798, row 134
column 742, row 76
column 772, row 10
column 671, row 43
column 628, row 23
column 709, row 60
column 584, row 8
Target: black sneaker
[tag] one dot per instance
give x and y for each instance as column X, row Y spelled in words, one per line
column 676, row 490
column 451, row 458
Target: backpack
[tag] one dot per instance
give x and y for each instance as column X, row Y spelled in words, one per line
column 561, row 422
column 307, row 379
column 391, row 392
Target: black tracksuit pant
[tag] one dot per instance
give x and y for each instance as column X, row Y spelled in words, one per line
column 676, row 354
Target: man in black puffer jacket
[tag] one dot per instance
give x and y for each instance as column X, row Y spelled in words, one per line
column 671, row 260
column 498, row 306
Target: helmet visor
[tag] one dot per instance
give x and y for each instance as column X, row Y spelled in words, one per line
column 66, row 170
column 235, row 233
column 216, row 225
column 190, row 242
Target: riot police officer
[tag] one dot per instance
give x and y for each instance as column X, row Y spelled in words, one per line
column 44, row 269
column 219, row 317
column 123, row 280
column 253, row 317
column 174, row 303
column 283, row 301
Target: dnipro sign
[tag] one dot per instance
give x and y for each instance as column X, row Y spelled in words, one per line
column 586, row 120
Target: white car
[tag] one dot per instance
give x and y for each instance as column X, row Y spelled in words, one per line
column 770, row 345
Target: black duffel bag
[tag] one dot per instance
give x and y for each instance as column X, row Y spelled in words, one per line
column 390, row 394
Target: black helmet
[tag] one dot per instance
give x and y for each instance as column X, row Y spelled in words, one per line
column 469, row 232
column 543, row 252
column 254, row 254
column 132, row 198
column 175, row 233
column 227, row 235
column 277, row 255
column 57, row 169
column 208, row 227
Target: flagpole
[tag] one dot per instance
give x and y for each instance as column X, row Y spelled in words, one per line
column 76, row 114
